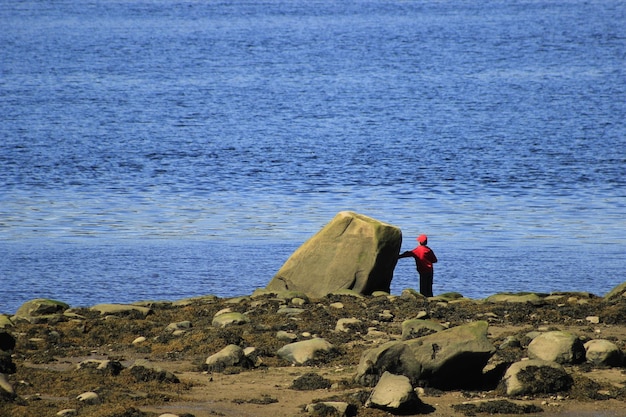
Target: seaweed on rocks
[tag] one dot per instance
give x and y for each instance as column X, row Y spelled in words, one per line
column 310, row 381
column 496, row 407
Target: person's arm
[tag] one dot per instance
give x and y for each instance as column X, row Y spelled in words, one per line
column 433, row 258
column 407, row 254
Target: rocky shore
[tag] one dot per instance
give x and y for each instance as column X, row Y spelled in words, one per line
column 284, row 354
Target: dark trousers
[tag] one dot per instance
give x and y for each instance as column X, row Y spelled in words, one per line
column 426, row 284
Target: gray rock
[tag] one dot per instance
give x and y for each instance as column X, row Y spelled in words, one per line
column 557, row 346
column 601, row 352
column 536, row 377
column 302, row 352
column 351, row 252
column 416, row 328
column 394, row 357
column 453, row 358
column 227, row 319
column 393, row 393
column 68, row 412
column 231, row 355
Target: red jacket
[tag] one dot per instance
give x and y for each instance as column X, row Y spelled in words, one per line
column 424, row 258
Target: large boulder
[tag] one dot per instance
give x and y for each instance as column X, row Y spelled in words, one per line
column 454, row 358
column 351, row 252
column 39, row 310
column 557, row 346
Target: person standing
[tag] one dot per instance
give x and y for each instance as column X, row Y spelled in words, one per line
column 424, row 260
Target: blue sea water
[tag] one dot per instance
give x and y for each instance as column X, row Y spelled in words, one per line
column 165, row 149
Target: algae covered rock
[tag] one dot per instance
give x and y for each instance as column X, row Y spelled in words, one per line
column 536, row 377
column 40, row 308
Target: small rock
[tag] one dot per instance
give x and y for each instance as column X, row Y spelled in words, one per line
column 145, row 371
column 593, row 319
column 557, row 346
column 231, row 355
column 290, row 311
column 5, row 321
column 105, row 366
column 421, row 315
column 302, row 352
column 6, row 389
column 386, row 316
column 329, row 408
column 310, row 381
column 337, row 305
column 226, row 319
column 510, row 342
column 89, row 397
column 286, row 336
column 297, row 301
column 223, row 311
column 181, row 325
column 68, row 412
column 120, row 309
column 393, row 392
column 601, row 352
column 139, row 340
column 345, row 325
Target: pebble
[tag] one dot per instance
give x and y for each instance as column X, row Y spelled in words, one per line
column 138, row 340
column 89, row 397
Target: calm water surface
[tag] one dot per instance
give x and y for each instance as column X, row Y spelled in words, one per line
column 166, row 149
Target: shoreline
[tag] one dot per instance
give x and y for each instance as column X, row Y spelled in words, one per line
column 178, row 338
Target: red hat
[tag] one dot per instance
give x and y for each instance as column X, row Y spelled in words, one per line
column 423, row 239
